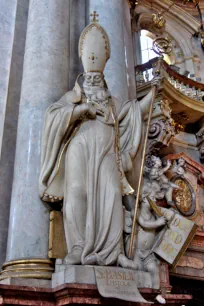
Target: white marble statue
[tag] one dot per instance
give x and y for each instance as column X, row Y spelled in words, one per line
column 149, row 226
column 89, row 143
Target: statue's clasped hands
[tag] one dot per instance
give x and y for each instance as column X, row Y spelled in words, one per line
column 83, row 111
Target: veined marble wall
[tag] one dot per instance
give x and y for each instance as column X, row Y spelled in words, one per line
column 77, row 24
column 129, row 51
column 10, row 124
column 111, row 17
column 77, row 8
column 45, row 80
column 7, row 26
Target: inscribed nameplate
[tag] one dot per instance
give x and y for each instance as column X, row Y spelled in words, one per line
column 116, row 282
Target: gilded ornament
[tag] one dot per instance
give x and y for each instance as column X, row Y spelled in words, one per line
column 94, row 15
column 184, row 197
column 158, row 20
column 162, row 45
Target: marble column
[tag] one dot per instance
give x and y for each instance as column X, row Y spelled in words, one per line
column 10, row 123
column 137, row 48
column 111, row 17
column 77, row 8
column 7, row 26
column 45, row 80
column 129, row 51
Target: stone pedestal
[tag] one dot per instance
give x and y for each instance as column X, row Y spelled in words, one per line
column 85, row 275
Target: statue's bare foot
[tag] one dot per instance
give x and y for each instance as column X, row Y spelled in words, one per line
column 90, row 260
column 124, row 262
column 74, row 257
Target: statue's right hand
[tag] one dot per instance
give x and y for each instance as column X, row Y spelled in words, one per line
column 82, row 110
column 161, row 221
column 91, row 112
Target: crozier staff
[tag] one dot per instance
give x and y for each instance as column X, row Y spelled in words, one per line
column 160, row 46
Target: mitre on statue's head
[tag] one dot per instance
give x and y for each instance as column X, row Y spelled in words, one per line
column 94, row 47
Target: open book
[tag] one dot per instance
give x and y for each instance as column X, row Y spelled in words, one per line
column 174, row 239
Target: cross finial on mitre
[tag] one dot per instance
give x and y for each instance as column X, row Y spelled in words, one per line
column 94, row 15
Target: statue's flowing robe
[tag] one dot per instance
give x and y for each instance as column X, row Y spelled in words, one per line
column 79, row 165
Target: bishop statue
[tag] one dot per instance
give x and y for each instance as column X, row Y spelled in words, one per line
column 89, row 146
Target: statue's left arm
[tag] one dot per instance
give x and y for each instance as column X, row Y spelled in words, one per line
column 130, row 125
column 131, row 132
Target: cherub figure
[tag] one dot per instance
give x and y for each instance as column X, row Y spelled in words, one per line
column 160, row 181
column 179, row 167
column 148, row 225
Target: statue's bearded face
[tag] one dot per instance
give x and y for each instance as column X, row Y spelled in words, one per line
column 93, row 79
column 93, row 82
column 94, row 86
